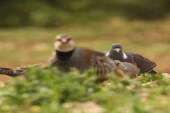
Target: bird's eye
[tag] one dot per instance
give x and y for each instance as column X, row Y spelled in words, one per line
column 58, row 39
column 123, row 67
column 68, row 39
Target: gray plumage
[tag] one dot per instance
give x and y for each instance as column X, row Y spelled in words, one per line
column 78, row 58
column 144, row 64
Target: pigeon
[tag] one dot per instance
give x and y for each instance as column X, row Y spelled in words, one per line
column 144, row 64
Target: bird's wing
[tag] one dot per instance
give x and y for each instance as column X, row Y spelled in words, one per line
column 143, row 63
column 103, row 65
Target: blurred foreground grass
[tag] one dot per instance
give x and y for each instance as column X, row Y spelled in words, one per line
column 34, row 45
column 50, row 91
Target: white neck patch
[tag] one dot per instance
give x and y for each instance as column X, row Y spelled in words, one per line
column 125, row 56
column 107, row 54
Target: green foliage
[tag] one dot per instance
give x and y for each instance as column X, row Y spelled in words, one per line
column 46, row 91
column 50, row 13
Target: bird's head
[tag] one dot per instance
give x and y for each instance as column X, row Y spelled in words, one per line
column 126, row 68
column 64, row 43
column 116, row 48
column 120, row 65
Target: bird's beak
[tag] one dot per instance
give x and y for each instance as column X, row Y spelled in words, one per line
column 64, row 41
column 117, row 50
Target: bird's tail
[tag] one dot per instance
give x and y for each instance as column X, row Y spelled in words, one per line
column 19, row 70
column 7, row 71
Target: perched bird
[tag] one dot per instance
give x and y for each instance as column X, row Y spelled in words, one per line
column 145, row 65
column 105, row 65
column 66, row 55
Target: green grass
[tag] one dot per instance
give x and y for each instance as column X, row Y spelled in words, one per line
column 49, row 90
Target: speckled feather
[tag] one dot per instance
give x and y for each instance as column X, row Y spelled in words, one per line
column 105, row 65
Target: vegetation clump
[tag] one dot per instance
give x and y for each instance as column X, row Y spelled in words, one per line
column 49, row 90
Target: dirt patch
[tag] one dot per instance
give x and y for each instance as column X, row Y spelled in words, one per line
column 87, row 107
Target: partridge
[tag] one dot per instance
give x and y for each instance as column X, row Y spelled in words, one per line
column 66, row 55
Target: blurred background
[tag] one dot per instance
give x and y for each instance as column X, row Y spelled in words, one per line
column 28, row 28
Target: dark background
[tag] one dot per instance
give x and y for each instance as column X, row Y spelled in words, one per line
column 54, row 13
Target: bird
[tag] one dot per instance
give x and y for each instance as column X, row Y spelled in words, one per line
column 144, row 64
column 105, row 65
column 67, row 56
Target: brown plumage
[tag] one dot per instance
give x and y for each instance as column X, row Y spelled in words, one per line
column 67, row 55
column 105, row 65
